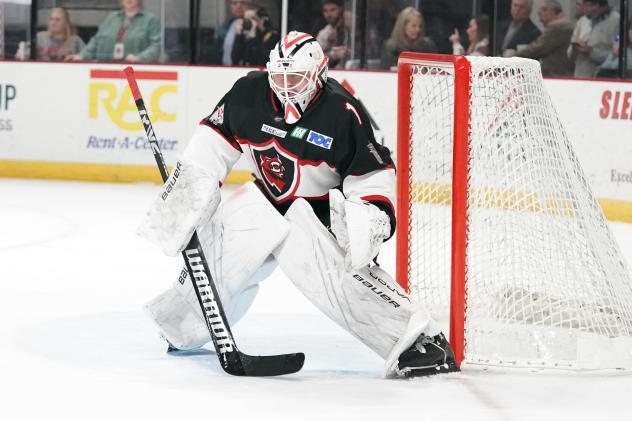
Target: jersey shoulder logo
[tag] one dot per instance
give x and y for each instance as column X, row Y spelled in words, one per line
column 218, row 115
column 278, row 169
column 320, row 140
column 298, row 132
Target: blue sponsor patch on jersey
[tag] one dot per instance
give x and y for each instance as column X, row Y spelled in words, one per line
column 320, row 139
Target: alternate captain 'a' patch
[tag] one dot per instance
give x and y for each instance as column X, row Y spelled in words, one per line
column 279, row 169
column 218, row 115
column 320, row 140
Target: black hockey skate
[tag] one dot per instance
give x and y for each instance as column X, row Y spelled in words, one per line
column 427, row 356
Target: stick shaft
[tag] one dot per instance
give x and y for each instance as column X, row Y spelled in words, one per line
column 195, row 260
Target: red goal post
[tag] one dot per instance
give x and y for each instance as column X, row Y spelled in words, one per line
column 459, row 217
column 497, row 222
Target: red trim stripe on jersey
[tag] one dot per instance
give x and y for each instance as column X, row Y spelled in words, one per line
column 232, row 143
column 292, row 197
column 379, row 198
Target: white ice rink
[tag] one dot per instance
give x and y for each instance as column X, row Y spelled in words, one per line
column 74, row 344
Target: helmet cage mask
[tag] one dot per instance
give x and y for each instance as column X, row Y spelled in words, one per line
column 291, row 83
column 296, row 79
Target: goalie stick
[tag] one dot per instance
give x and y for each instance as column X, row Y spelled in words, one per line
column 231, row 359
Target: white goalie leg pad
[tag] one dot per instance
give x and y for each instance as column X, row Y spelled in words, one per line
column 177, row 314
column 187, row 201
column 367, row 303
column 238, row 243
column 176, row 318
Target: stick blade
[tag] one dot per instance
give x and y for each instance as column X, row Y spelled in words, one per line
column 270, row 365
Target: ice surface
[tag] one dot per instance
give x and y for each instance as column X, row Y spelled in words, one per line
column 74, row 344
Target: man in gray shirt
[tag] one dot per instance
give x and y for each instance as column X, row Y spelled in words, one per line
column 550, row 47
column 591, row 52
column 519, row 31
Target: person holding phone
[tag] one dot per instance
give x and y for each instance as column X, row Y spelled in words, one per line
column 478, row 36
column 591, row 52
column 255, row 38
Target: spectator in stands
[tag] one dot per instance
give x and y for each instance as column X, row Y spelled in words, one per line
column 58, row 41
column 255, row 38
column 550, row 46
column 610, row 67
column 440, row 19
column 582, row 28
column 408, row 35
column 478, row 36
column 131, row 34
column 519, row 31
column 589, row 54
column 334, row 37
column 228, row 31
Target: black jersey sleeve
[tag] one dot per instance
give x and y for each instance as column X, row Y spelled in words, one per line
column 368, row 172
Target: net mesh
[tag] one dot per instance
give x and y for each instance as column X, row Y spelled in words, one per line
column 546, row 284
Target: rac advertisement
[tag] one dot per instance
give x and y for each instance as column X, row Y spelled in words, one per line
column 112, row 119
column 8, row 93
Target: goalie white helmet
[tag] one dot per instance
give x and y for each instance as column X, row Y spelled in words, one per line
column 296, row 71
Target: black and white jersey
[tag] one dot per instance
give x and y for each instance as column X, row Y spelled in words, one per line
column 331, row 146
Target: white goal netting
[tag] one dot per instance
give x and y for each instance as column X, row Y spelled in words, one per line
column 546, row 285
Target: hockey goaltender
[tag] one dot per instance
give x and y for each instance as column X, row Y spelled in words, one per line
column 320, row 207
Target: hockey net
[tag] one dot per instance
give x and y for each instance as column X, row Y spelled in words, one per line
column 497, row 222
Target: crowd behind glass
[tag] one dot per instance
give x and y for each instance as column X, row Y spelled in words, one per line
column 578, row 38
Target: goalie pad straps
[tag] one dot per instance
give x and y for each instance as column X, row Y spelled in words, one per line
column 360, row 228
column 177, row 314
column 187, row 201
column 367, row 302
column 238, row 243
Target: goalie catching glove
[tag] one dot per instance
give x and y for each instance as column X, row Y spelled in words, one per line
column 359, row 227
column 186, row 202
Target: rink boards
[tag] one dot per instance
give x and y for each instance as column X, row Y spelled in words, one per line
column 79, row 122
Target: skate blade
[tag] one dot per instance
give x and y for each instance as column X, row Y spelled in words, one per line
column 410, row 372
